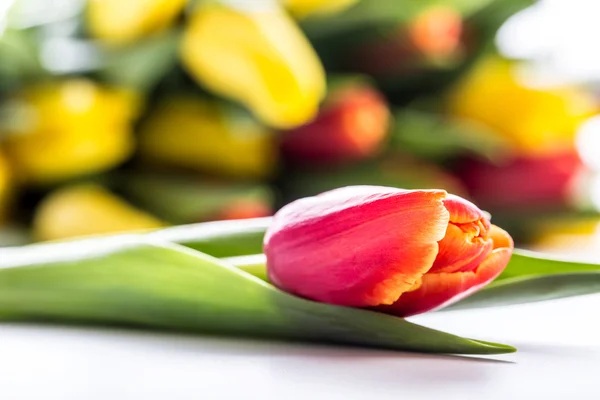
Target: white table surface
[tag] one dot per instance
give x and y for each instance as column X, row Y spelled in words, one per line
column 558, row 358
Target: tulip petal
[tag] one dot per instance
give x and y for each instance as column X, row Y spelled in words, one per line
column 466, row 243
column 460, row 252
column 356, row 246
column 438, row 290
column 500, row 237
column 461, row 210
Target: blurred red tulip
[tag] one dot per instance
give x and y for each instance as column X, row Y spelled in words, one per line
column 244, row 209
column 402, row 251
column 352, row 125
column 437, row 31
column 434, row 36
column 523, row 182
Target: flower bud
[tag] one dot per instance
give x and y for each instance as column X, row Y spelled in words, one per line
column 208, row 136
column 403, row 252
column 86, row 210
column 536, row 121
column 67, row 129
column 523, row 183
column 352, row 125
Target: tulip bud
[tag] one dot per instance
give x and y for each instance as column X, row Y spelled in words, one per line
column 258, row 57
column 87, row 210
column 535, row 121
column 208, row 136
column 303, row 8
column 524, row 182
column 402, row 251
column 437, row 31
column 63, row 130
column 243, row 209
column 352, row 125
column 432, row 39
column 120, row 22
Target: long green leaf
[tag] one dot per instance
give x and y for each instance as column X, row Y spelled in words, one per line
column 532, row 277
column 131, row 281
column 531, row 289
column 219, row 239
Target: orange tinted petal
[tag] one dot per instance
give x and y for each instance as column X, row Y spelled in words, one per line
column 500, row 237
column 438, row 290
column 465, row 244
column 460, row 251
column 355, row 246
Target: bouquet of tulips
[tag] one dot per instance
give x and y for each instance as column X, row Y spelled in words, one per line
column 283, row 168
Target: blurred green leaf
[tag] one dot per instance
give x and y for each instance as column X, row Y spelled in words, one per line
column 19, row 58
column 183, row 200
column 143, row 64
column 437, row 137
column 376, row 13
column 128, row 281
column 393, row 169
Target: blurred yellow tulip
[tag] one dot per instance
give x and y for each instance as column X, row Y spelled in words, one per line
column 5, row 187
column 210, row 136
column 258, row 57
column 536, row 121
column 567, row 235
column 67, row 129
column 123, row 21
column 303, row 8
column 86, row 210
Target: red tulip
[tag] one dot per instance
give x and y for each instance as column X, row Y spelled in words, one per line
column 433, row 38
column 352, row 125
column 523, row 182
column 244, row 209
column 402, row 251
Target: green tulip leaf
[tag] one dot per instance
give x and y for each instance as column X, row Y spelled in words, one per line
column 532, row 277
column 135, row 281
column 218, row 239
column 141, row 65
column 529, row 289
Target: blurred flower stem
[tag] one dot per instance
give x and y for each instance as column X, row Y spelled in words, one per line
column 182, row 199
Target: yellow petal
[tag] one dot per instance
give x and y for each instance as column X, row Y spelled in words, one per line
column 123, row 21
column 257, row 57
column 535, row 120
column 69, row 129
column 86, row 210
column 208, row 136
column 303, row 8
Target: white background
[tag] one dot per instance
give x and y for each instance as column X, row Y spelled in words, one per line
column 558, row 358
